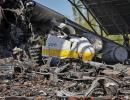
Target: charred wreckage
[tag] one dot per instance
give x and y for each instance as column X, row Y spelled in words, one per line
column 69, row 63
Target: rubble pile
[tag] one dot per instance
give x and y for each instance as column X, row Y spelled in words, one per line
column 62, row 68
column 69, row 79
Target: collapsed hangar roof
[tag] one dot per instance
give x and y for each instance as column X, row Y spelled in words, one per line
column 113, row 15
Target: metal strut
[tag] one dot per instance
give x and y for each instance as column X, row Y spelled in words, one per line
column 87, row 20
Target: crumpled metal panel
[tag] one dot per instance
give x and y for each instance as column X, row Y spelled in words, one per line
column 43, row 14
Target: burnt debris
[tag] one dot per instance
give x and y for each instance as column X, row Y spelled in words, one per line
column 45, row 56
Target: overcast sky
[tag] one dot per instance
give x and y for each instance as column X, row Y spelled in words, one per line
column 61, row 6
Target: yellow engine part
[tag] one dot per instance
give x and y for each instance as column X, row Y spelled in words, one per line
column 85, row 56
column 79, row 48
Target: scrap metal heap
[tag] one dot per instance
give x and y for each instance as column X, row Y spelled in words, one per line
column 66, row 66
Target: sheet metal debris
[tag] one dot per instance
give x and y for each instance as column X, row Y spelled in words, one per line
column 60, row 69
column 71, row 83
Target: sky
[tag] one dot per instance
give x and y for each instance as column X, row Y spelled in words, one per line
column 61, row 6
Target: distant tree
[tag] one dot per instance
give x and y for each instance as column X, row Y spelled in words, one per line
column 76, row 14
column 80, row 20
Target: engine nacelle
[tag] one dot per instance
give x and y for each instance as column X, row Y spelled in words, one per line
column 79, row 48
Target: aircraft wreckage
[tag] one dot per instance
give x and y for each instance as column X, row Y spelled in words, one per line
column 65, row 65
